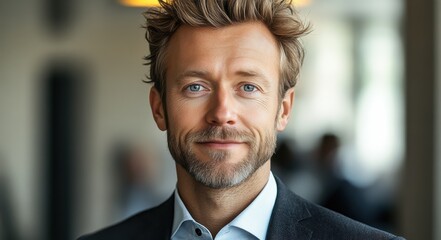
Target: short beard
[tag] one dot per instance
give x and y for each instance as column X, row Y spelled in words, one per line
column 210, row 172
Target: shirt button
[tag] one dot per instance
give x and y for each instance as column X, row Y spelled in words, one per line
column 198, row 232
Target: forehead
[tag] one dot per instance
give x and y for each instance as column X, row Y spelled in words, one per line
column 239, row 47
column 247, row 31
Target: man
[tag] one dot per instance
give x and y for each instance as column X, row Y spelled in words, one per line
column 224, row 73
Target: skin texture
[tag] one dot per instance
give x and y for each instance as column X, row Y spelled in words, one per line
column 221, row 114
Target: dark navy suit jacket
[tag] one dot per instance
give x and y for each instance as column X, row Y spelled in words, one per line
column 292, row 218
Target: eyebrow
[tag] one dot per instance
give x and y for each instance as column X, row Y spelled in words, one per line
column 241, row 73
column 250, row 73
column 254, row 74
column 192, row 73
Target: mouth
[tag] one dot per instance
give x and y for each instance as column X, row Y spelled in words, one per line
column 221, row 144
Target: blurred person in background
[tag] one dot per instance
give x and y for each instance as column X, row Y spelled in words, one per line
column 135, row 171
column 286, row 161
column 224, row 74
column 294, row 170
column 336, row 192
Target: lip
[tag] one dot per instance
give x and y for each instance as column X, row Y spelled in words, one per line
column 220, row 143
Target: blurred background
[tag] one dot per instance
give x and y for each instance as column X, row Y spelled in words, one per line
column 79, row 149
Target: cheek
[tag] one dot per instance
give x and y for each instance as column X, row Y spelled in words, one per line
column 260, row 113
column 183, row 118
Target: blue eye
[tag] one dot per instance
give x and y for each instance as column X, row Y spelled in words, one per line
column 249, row 88
column 195, row 88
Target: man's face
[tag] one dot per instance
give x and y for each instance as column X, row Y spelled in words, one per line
column 222, row 110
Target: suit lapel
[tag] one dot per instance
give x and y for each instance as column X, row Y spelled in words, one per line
column 288, row 211
column 159, row 224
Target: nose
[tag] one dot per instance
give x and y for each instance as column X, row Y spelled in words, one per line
column 222, row 109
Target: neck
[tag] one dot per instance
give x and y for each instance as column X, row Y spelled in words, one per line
column 215, row 208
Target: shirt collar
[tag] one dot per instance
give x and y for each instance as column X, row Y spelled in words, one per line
column 261, row 209
column 181, row 214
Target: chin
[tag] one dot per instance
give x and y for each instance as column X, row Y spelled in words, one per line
column 224, row 175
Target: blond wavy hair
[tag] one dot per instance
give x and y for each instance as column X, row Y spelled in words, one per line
column 279, row 16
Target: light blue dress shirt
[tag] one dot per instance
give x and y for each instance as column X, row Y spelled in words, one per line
column 251, row 223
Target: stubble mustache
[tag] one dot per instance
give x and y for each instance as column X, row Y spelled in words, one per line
column 217, row 133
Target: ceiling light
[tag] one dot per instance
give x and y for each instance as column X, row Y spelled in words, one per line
column 153, row 3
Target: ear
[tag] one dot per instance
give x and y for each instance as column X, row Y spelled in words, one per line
column 285, row 109
column 157, row 109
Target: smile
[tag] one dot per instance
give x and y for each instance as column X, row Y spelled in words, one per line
column 221, row 144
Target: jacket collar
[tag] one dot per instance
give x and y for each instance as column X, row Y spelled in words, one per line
column 158, row 224
column 289, row 210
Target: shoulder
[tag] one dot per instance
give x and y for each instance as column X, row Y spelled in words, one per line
column 325, row 223
column 309, row 219
column 154, row 222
